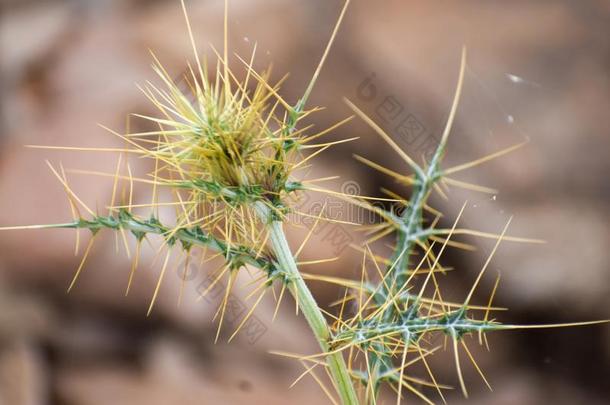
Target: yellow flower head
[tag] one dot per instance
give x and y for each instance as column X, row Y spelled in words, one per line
column 222, row 146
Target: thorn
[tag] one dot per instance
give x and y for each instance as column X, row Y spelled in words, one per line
column 133, row 266
column 82, row 263
column 158, row 287
column 457, row 365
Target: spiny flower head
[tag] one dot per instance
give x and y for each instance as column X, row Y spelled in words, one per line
column 222, row 146
column 216, row 134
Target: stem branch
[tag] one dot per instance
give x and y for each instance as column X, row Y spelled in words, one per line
column 309, row 307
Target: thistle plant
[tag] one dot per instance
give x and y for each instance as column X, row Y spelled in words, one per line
column 228, row 152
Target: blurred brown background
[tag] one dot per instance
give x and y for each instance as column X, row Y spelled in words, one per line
column 538, row 70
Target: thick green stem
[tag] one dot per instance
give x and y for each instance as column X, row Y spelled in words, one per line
column 309, row 307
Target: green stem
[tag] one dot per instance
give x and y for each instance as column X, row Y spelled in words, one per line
column 309, row 307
